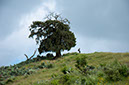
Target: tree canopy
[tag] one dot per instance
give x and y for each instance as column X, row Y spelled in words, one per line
column 53, row 34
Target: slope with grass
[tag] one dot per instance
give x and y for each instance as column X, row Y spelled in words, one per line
column 98, row 68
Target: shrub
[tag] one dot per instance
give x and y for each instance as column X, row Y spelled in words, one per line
column 30, row 71
column 91, row 80
column 54, row 75
column 9, row 81
column 81, row 64
column 124, row 70
column 66, row 78
column 50, row 65
column 115, row 71
column 83, row 81
column 66, row 70
column 49, row 55
column 69, row 79
column 55, row 82
column 100, row 73
column 43, row 65
column 2, row 83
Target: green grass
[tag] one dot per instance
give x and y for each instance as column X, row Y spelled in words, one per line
column 45, row 75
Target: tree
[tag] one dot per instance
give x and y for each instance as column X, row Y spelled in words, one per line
column 53, row 34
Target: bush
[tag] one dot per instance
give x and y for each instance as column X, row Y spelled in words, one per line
column 100, row 74
column 89, row 80
column 2, row 83
column 30, row 71
column 115, row 71
column 43, row 65
column 124, row 70
column 81, row 61
column 9, row 81
column 66, row 70
column 54, row 75
column 54, row 82
column 49, row 55
column 81, row 64
column 83, row 81
column 50, row 65
column 66, row 78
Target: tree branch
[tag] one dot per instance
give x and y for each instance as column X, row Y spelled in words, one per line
column 31, row 56
column 26, row 56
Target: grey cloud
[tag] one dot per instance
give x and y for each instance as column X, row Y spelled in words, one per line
column 15, row 17
column 105, row 20
column 99, row 18
column 11, row 12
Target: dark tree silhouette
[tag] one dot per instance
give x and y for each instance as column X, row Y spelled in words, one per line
column 53, row 34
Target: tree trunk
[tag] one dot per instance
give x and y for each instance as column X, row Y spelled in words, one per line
column 58, row 54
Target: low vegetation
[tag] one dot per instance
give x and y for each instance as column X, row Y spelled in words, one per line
column 97, row 68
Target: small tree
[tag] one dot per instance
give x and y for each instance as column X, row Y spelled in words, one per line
column 53, row 34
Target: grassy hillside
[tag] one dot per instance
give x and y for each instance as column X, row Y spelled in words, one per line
column 101, row 68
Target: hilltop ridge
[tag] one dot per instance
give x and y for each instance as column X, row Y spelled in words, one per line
column 64, row 70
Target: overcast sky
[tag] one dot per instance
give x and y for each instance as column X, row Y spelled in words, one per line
column 99, row 25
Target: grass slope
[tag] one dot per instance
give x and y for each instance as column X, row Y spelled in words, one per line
column 52, row 75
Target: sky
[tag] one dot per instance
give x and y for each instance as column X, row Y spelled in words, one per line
column 99, row 25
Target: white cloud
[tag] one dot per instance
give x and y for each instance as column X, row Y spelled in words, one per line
column 14, row 46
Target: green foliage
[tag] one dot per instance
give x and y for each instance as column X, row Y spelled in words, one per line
column 8, row 73
column 66, row 69
column 31, row 71
column 49, row 55
column 53, row 34
column 9, row 81
column 50, row 65
column 67, row 79
column 81, row 64
column 89, row 80
column 97, row 74
column 115, row 71
column 43, row 65
column 2, row 83
column 100, row 74
column 54, row 75
column 54, row 82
